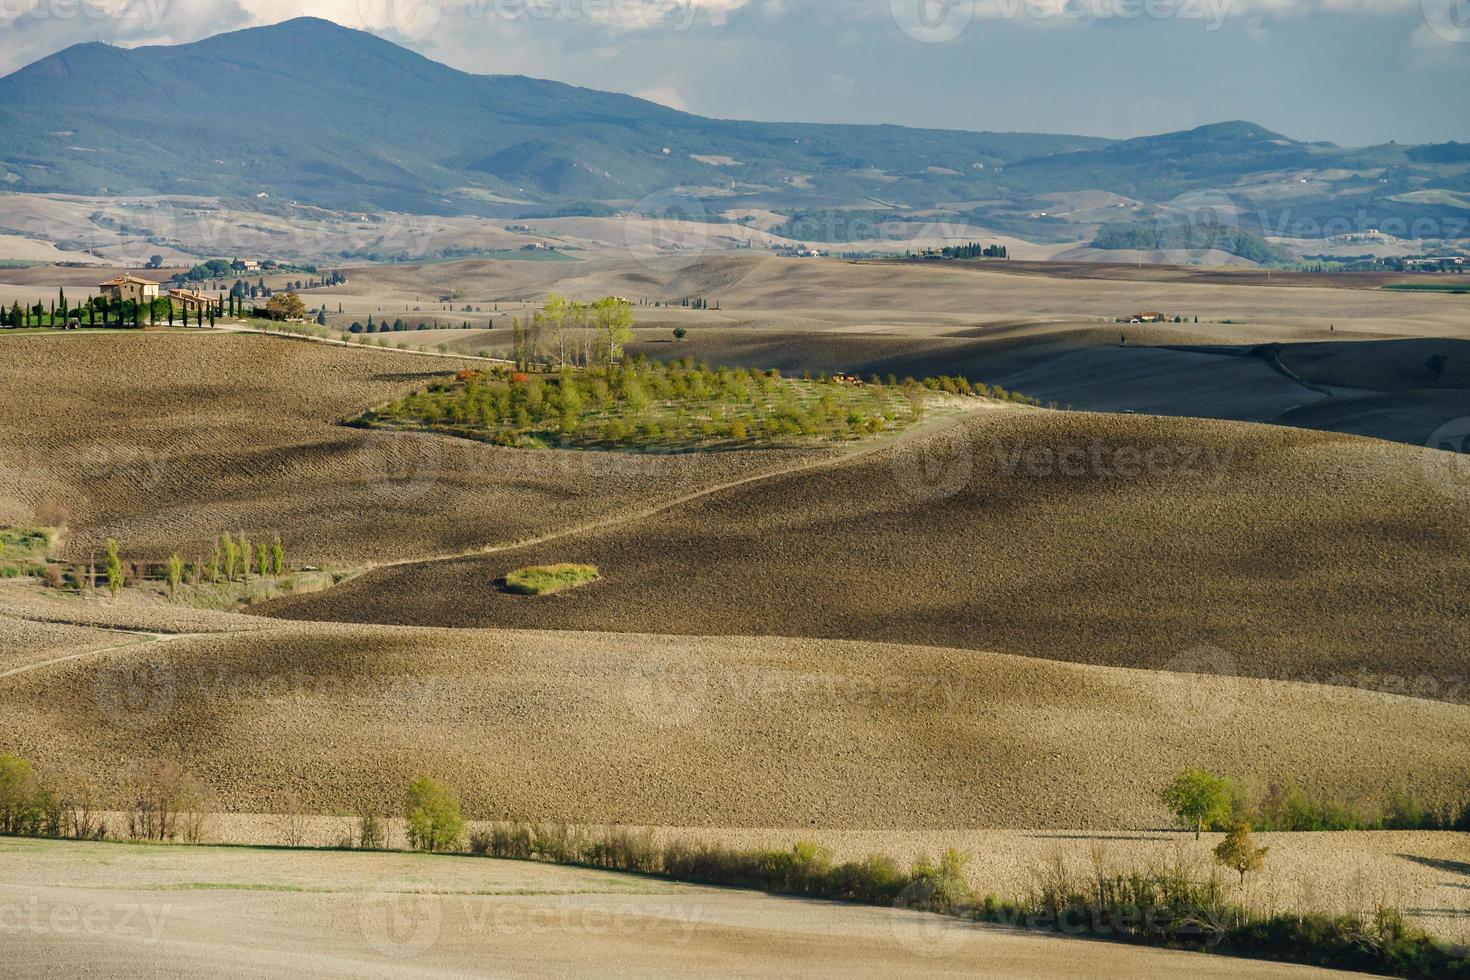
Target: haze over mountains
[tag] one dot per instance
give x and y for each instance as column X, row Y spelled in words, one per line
column 339, row 118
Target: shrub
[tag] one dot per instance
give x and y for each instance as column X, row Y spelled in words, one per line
column 433, row 815
column 1239, row 853
column 372, row 832
column 940, row 887
column 1200, row 800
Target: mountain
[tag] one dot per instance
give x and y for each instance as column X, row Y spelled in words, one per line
column 339, row 117
column 313, row 112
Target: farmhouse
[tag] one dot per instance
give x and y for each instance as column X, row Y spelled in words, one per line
column 129, row 287
column 191, row 300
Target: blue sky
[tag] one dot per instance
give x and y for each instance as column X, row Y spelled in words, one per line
column 1351, row 71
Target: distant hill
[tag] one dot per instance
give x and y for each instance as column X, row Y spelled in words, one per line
column 340, row 117
column 313, row 112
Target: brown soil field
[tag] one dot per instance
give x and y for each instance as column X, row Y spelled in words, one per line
column 709, row 731
column 1286, row 553
column 250, row 913
column 164, row 440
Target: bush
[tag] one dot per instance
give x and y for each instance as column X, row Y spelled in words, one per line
column 434, row 819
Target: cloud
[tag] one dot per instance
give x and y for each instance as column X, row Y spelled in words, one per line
column 664, row 95
column 839, row 84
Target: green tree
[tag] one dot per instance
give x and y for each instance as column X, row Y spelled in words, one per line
column 174, row 573
column 1199, row 799
column 262, row 560
column 229, row 551
column 242, row 557
column 613, row 320
column 278, row 558
column 433, row 815
column 19, row 812
column 114, row 568
column 1239, row 852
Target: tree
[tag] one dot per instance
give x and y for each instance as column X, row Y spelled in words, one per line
column 1435, row 366
column 1238, row 852
column 680, row 333
column 1199, row 799
column 613, row 319
column 243, row 554
column 114, row 568
column 434, row 819
column 262, row 560
column 230, row 553
column 278, row 558
column 286, row 306
column 174, row 573
column 321, row 317
column 18, row 792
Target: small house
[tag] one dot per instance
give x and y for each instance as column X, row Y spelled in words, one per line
column 191, row 300
column 134, row 288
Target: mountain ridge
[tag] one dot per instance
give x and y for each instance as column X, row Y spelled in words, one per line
column 326, row 115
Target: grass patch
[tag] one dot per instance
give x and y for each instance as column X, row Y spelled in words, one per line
column 550, row 579
column 23, row 550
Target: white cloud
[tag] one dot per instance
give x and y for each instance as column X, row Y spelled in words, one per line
column 839, row 84
column 664, row 95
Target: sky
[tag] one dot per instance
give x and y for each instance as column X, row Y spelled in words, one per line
column 1355, row 72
